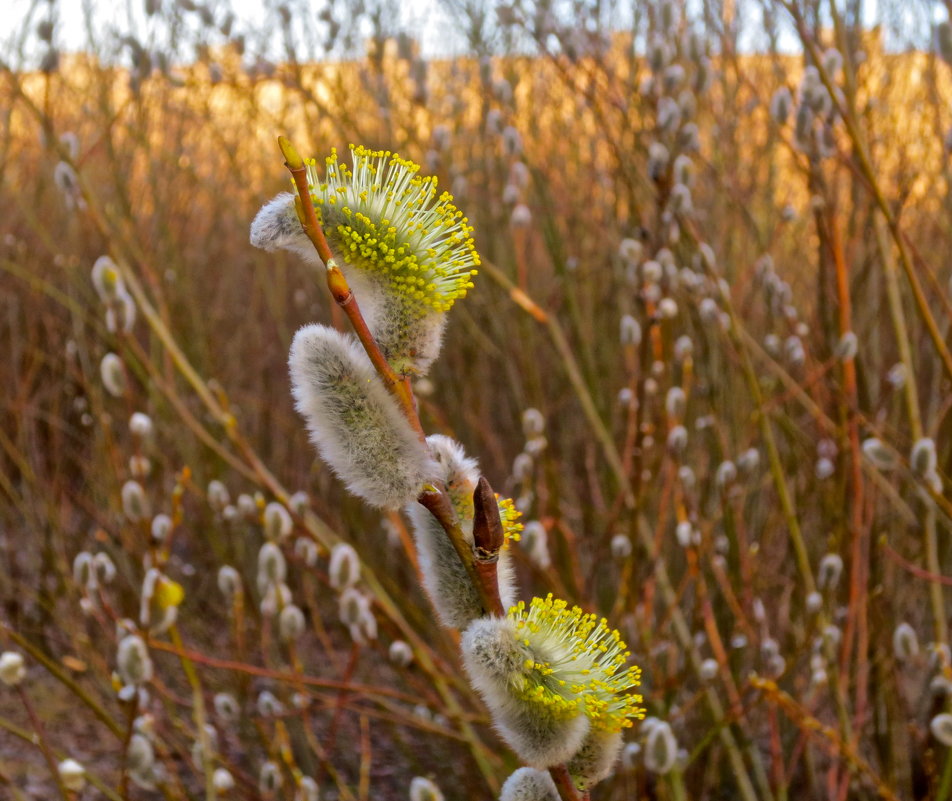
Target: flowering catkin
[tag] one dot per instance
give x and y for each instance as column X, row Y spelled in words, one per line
column 354, row 422
column 549, row 674
column 406, row 251
column 444, row 576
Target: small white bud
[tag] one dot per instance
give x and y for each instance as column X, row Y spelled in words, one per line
column 12, row 668
column 113, row 375
column 814, row 602
column 291, row 623
column 268, row 704
column 923, row 457
column 905, row 642
column 533, row 423
column 344, row 567
column 535, row 542
column 226, row 707
column 222, row 780
column 306, row 550
column 675, row 403
column 229, row 581
column 661, row 748
column 135, row 505
column 630, row 331
column 880, row 456
column 133, row 661
column 522, row 467
column 401, row 654
column 272, row 566
column 106, row 279
column 277, row 522
column 161, row 527
column 677, row 440
column 72, row 774
column 941, row 728
column 726, row 475
column 521, row 216
column 709, row 669
column 621, row 546
column 140, row 426
column 299, row 502
column 307, row 790
column 218, row 495
column 847, row 347
column 269, row 778
column 422, row 789
column 823, row 469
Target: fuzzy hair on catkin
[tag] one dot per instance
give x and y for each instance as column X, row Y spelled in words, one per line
column 529, row 784
column 409, row 339
column 277, row 227
column 355, row 423
column 494, row 658
column 447, row 584
column 596, row 758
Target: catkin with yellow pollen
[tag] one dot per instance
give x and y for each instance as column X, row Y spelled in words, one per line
column 551, row 675
column 406, row 249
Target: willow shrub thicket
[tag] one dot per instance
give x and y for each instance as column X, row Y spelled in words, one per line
column 685, row 272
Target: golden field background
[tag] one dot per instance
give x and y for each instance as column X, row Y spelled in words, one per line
column 787, row 251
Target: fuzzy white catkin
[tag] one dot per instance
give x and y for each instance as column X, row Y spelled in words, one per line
column 277, row 227
column 218, row 495
column 400, row 653
column 444, row 577
column 535, row 542
column 140, row 754
column 941, row 728
column 133, row 661
column 529, row 784
column 533, row 423
column 307, row 790
column 272, row 566
column 422, row 789
column 113, row 375
column 291, row 623
column 354, row 422
column 344, row 570
column 140, row 426
column 72, row 774
column 596, row 758
column 277, row 522
column 229, row 581
column 161, row 527
column 493, row 654
column 12, row 668
column 661, row 748
column 878, row 454
column 621, row 546
column 106, row 279
column 222, row 780
column 629, row 331
column 135, row 505
column 905, row 642
column 923, row 456
column 269, row 778
column 226, row 707
column 306, row 550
